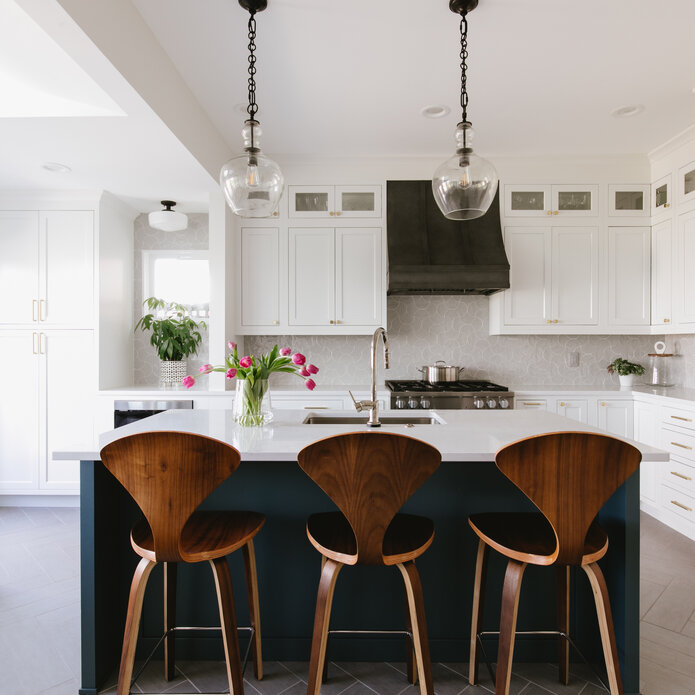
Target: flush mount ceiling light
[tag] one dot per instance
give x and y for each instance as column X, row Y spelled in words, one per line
column 168, row 220
column 435, row 111
column 465, row 185
column 56, row 167
column 252, row 183
column 628, row 111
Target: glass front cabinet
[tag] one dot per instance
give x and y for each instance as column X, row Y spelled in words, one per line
column 661, row 195
column 334, row 201
column 628, row 201
column 544, row 200
column 686, row 183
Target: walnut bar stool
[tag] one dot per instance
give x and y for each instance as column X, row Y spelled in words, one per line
column 169, row 474
column 568, row 476
column 369, row 476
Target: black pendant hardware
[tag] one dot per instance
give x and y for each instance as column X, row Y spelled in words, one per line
column 460, row 6
column 254, row 6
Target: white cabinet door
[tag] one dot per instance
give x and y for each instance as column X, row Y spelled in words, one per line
column 19, row 410
column 661, row 196
column 260, row 277
column 575, row 275
column 66, row 280
column 686, row 253
column 311, row 201
column 574, row 409
column 19, row 267
column 662, row 272
column 575, row 200
column 527, row 302
column 527, row 200
column 647, row 428
column 358, row 291
column 628, row 201
column 616, row 417
column 358, row 201
column 68, row 406
column 311, row 277
column 686, row 184
column 629, row 269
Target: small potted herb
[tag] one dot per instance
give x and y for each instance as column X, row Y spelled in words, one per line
column 625, row 370
column 175, row 335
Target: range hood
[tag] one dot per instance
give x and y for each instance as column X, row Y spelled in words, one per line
column 429, row 254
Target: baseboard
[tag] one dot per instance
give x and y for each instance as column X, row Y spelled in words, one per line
column 49, row 500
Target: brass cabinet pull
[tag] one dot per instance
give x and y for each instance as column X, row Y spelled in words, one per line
column 667, row 205
column 682, row 446
column 555, row 212
column 338, row 321
column 562, row 405
column 275, row 214
column 331, row 322
column 316, row 407
column 682, row 506
column 556, row 321
column 42, row 306
column 603, row 404
column 667, row 320
column 42, row 343
column 548, row 321
column 530, row 403
column 680, row 475
column 550, row 212
column 275, row 323
column 34, row 307
column 34, row 336
column 678, row 417
column 338, row 213
column 331, row 213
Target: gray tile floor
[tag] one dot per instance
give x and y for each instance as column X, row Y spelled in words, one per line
column 39, row 627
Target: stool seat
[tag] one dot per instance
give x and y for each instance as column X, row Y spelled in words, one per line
column 205, row 536
column 406, row 537
column 529, row 537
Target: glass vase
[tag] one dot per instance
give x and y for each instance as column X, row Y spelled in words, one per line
column 252, row 403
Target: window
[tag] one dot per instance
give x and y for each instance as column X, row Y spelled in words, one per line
column 178, row 276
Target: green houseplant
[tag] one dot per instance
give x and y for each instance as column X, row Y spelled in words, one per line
column 175, row 336
column 625, row 370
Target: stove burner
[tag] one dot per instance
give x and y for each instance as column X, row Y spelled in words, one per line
column 466, row 385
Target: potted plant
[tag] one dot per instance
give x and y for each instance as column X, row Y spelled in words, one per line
column 175, row 335
column 626, row 371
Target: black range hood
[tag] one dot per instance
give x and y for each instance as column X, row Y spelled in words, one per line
column 429, row 254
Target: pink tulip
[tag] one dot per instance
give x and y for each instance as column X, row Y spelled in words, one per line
column 304, row 372
column 310, row 384
column 245, row 362
column 231, row 373
column 312, row 369
column 188, row 381
column 231, row 345
column 298, row 358
column 206, row 369
column 285, row 351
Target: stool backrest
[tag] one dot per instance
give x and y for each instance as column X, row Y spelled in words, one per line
column 169, row 474
column 369, row 476
column 569, row 476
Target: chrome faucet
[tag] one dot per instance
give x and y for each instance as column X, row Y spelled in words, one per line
column 373, row 405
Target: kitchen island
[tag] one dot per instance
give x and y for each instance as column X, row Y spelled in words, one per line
column 268, row 480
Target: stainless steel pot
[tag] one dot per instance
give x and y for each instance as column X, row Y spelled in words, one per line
column 440, row 371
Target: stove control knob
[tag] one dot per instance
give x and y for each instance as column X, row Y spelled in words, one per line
column 400, row 403
column 412, row 403
column 504, row 403
column 425, row 403
column 491, row 403
column 479, row 403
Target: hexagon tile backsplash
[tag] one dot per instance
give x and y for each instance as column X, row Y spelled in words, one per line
column 423, row 329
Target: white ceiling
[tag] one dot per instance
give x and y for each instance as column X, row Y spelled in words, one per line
column 350, row 77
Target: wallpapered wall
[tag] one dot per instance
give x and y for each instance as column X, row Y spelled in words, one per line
column 146, row 372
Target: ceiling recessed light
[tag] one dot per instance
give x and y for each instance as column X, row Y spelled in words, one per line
column 56, row 167
column 435, row 111
column 628, row 111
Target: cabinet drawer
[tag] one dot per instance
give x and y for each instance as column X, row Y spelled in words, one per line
column 530, row 404
column 330, row 403
column 680, row 475
column 678, row 502
column 679, row 444
column 682, row 418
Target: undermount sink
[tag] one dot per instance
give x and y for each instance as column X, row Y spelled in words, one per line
column 362, row 420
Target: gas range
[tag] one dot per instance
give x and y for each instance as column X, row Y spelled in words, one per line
column 449, row 395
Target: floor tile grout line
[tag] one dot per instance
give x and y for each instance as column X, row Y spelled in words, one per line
column 356, row 679
column 190, row 680
column 296, row 675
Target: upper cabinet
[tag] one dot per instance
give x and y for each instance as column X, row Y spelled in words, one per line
column 47, row 268
column 661, row 196
column 628, row 201
column 334, row 201
column 629, row 269
column 564, row 200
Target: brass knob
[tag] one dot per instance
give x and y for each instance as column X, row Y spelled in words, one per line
column 556, row 321
column 562, row 404
column 667, row 320
column 275, row 214
column 603, row 405
column 550, row 212
column 555, row 212
column 275, row 323
column 331, row 321
column 331, row 213
column 667, row 205
column 548, row 321
column 338, row 213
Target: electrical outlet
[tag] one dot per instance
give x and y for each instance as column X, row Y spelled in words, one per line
column 573, row 358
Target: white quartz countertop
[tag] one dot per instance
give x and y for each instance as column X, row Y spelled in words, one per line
column 464, row 435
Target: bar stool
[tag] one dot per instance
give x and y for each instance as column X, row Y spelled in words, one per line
column 568, row 476
column 169, row 474
column 369, row 476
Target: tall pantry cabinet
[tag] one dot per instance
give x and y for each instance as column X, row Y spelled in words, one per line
column 49, row 342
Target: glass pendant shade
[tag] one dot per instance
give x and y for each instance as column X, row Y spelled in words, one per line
column 252, row 183
column 465, row 185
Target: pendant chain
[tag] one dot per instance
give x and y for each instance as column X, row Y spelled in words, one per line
column 252, row 107
column 464, row 66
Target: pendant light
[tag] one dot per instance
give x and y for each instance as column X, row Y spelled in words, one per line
column 252, row 183
column 168, row 220
column 465, row 185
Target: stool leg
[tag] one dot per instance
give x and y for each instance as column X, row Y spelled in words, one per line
column 132, row 624
column 563, row 621
column 413, row 588
column 477, row 615
column 254, row 610
column 169, row 619
column 510, row 607
column 324, row 600
column 225, row 601
column 410, row 666
column 605, row 622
